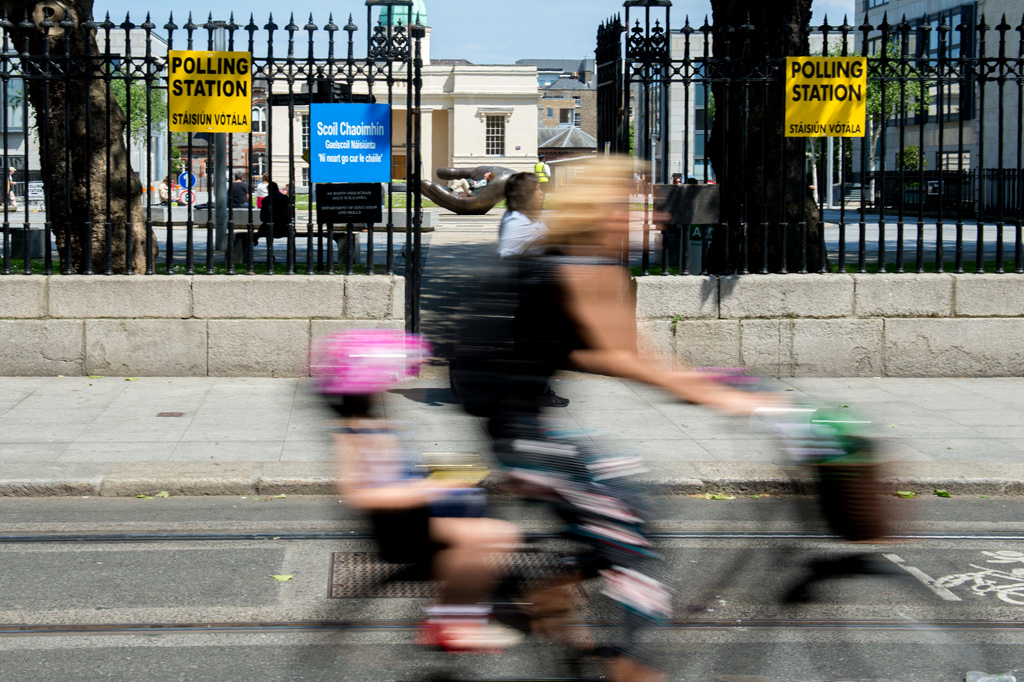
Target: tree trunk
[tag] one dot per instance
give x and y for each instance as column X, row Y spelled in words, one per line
column 765, row 166
column 73, row 155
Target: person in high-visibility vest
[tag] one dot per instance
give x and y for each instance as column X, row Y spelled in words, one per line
column 543, row 173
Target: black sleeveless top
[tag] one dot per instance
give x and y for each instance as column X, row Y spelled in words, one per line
column 545, row 332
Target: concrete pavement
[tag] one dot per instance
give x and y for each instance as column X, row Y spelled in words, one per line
column 118, row 436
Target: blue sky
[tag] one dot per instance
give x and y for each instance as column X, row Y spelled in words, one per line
column 482, row 31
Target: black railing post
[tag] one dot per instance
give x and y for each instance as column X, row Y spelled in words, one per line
column 979, row 210
column 1018, row 246
column 5, row 76
column 417, row 32
column 1003, row 27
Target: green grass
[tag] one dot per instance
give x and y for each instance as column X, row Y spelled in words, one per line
column 909, row 267
column 280, row 268
column 259, row 268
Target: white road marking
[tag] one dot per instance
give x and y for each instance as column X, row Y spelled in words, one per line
column 925, row 579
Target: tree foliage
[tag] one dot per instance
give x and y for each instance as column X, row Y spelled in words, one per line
column 140, row 119
column 910, row 158
column 91, row 181
column 892, row 91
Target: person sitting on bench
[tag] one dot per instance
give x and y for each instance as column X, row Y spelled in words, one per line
column 470, row 189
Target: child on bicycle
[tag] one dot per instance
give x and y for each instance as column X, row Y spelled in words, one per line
column 416, row 519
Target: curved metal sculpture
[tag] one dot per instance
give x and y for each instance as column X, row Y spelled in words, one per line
column 478, row 204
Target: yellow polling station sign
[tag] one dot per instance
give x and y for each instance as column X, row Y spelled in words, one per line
column 209, row 92
column 826, row 96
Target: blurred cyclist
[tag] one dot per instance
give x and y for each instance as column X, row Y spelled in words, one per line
column 575, row 311
column 416, row 519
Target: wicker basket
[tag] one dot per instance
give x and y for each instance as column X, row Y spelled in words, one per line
column 852, row 500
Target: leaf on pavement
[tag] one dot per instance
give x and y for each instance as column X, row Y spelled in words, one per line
column 939, row 492
column 144, row 497
column 132, row 379
column 162, row 493
column 905, row 494
column 282, row 578
column 719, row 496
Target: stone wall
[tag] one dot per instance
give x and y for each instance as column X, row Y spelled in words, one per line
column 932, row 325
column 203, row 325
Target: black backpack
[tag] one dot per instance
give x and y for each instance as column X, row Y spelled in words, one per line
column 486, row 374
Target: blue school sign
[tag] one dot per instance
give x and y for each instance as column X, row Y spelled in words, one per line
column 350, row 142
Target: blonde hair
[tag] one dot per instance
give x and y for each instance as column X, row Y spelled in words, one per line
column 584, row 206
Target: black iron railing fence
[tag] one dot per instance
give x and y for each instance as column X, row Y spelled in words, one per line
column 87, row 180
column 938, row 170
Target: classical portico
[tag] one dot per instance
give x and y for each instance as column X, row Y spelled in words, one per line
column 472, row 114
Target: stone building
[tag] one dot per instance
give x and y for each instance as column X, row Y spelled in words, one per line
column 472, row 114
column 970, row 110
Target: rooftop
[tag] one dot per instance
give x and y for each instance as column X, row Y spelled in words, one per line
column 567, row 84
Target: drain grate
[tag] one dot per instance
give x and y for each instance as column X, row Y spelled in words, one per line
column 364, row 575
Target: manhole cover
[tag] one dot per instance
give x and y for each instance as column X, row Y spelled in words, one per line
column 364, row 575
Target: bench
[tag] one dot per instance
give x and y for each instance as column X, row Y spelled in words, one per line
column 240, row 243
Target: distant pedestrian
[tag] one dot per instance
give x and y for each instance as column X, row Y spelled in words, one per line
column 543, row 172
column 521, row 230
column 11, row 201
column 239, row 194
column 164, row 190
column 470, row 188
column 262, row 189
column 275, row 215
column 522, row 234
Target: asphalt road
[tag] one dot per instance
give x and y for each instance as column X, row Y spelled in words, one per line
column 96, row 589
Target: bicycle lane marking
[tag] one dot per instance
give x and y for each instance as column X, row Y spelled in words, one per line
column 924, row 578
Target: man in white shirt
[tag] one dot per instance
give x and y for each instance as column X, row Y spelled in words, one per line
column 522, row 233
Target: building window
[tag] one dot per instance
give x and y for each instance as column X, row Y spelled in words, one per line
column 958, row 98
column 700, row 170
column 259, row 119
column 954, row 161
column 259, row 164
column 565, row 117
column 551, row 112
column 304, row 117
column 14, row 117
column 495, row 137
column 305, row 176
column 876, row 3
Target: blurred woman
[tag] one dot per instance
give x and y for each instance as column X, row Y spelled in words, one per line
column 576, row 312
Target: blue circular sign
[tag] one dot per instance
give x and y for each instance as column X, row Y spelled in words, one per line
column 187, row 180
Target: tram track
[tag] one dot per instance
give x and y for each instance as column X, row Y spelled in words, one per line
column 8, row 630
column 237, row 536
